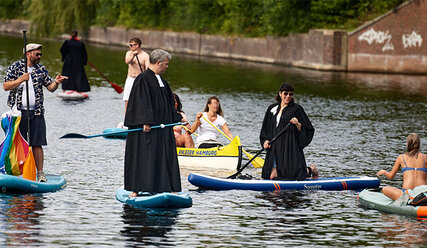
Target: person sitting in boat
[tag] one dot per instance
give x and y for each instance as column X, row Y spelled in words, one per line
column 414, row 169
column 182, row 139
column 208, row 135
column 285, row 157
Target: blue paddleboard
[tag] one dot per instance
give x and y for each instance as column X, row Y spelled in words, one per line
column 160, row 200
column 332, row 183
column 19, row 185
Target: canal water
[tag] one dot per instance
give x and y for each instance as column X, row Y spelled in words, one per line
column 361, row 123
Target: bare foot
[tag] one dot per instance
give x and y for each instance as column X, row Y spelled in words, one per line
column 273, row 173
column 314, row 172
column 133, row 194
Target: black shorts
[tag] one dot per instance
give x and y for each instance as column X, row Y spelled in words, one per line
column 38, row 128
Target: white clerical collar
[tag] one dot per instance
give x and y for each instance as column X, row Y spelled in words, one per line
column 161, row 84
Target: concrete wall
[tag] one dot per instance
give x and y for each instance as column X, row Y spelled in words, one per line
column 317, row 49
column 395, row 42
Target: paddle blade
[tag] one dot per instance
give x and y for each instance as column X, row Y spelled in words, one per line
column 30, row 171
column 257, row 162
column 73, row 136
column 116, row 87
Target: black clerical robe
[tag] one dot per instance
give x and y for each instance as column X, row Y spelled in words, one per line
column 151, row 162
column 74, row 57
column 287, row 150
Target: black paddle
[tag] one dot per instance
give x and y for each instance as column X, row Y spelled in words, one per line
column 26, row 88
column 81, row 136
column 259, row 152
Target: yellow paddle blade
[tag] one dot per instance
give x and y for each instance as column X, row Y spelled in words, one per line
column 257, row 162
column 29, row 171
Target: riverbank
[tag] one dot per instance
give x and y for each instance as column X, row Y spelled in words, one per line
column 391, row 43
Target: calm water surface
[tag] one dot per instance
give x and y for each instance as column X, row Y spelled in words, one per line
column 361, row 123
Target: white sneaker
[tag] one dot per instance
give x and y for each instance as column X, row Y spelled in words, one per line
column 41, row 177
column 120, row 125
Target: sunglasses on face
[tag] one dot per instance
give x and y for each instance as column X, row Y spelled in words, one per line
column 38, row 54
column 288, row 93
column 132, row 45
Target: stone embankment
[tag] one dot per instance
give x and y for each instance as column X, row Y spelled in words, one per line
column 392, row 43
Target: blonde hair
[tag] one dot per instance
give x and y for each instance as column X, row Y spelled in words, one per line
column 413, row 144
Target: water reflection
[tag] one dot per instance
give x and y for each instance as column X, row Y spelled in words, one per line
column 286, row 199
column 148, row 227
column 401, row 229
column 20, row 223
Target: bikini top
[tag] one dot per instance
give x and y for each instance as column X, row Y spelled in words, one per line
column 412, row 168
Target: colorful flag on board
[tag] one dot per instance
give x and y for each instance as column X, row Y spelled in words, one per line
column 15, row 154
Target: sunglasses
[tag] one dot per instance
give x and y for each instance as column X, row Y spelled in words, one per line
column 38, row 54
column 132, row 45
column 286, row 93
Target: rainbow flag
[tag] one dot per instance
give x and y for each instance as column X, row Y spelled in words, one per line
column 14, row 150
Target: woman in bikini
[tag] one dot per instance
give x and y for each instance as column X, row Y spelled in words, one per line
column 414, row 169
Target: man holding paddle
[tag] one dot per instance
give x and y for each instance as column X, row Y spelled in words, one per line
column 137, row 61
column 151, row 162
column 37, row 76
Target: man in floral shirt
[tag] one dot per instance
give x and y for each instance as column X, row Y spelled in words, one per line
column 37, row 77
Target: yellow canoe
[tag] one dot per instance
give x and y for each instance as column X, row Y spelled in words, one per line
column 227, row 157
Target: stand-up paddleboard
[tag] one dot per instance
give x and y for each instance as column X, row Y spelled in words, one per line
column 19, row 185
column 332, row 183
column 374, row 199
column 72, row 95
column 160, row 200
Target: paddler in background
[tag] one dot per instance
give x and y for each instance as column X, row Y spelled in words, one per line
column 208, row 135
column 182, row 137
column 151, row 162
column 74, row 56
column 285, row 158
column 414, row 169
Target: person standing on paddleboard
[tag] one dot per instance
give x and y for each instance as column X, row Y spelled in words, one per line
column 74, row 56
column 151, row 162
column 137, row 61
column 285, row 158
column 37, row 77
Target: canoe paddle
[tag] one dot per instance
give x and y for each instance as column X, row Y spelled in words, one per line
column 81, row 136
column 115, row 86
column 257, row 162
column 259, row 152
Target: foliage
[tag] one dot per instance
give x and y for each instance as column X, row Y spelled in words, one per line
column 226, row 17
column 11, row 9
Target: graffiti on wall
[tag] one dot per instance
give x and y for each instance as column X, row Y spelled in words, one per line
column 412, row 40
column 378, row 37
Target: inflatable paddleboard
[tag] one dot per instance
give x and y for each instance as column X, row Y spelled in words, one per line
column 374, row 199
column 332, row 183
column 160, row 200
column 19, row 185
column 71, row 95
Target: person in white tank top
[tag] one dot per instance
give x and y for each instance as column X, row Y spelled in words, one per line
column 208, row 135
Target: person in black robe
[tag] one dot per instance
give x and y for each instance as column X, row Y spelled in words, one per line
column 74, row 56
column 151, row 162
column 285, row 157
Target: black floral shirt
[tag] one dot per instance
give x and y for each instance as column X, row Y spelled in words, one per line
column 40, row 77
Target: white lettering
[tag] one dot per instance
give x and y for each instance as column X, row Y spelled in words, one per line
column 379, row 37
column 413, row 39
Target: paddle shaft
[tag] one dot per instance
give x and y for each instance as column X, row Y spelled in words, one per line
column 137, row 59
column 27, row 89
column 75, row 135
column 115, row 86
column 260, row 151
